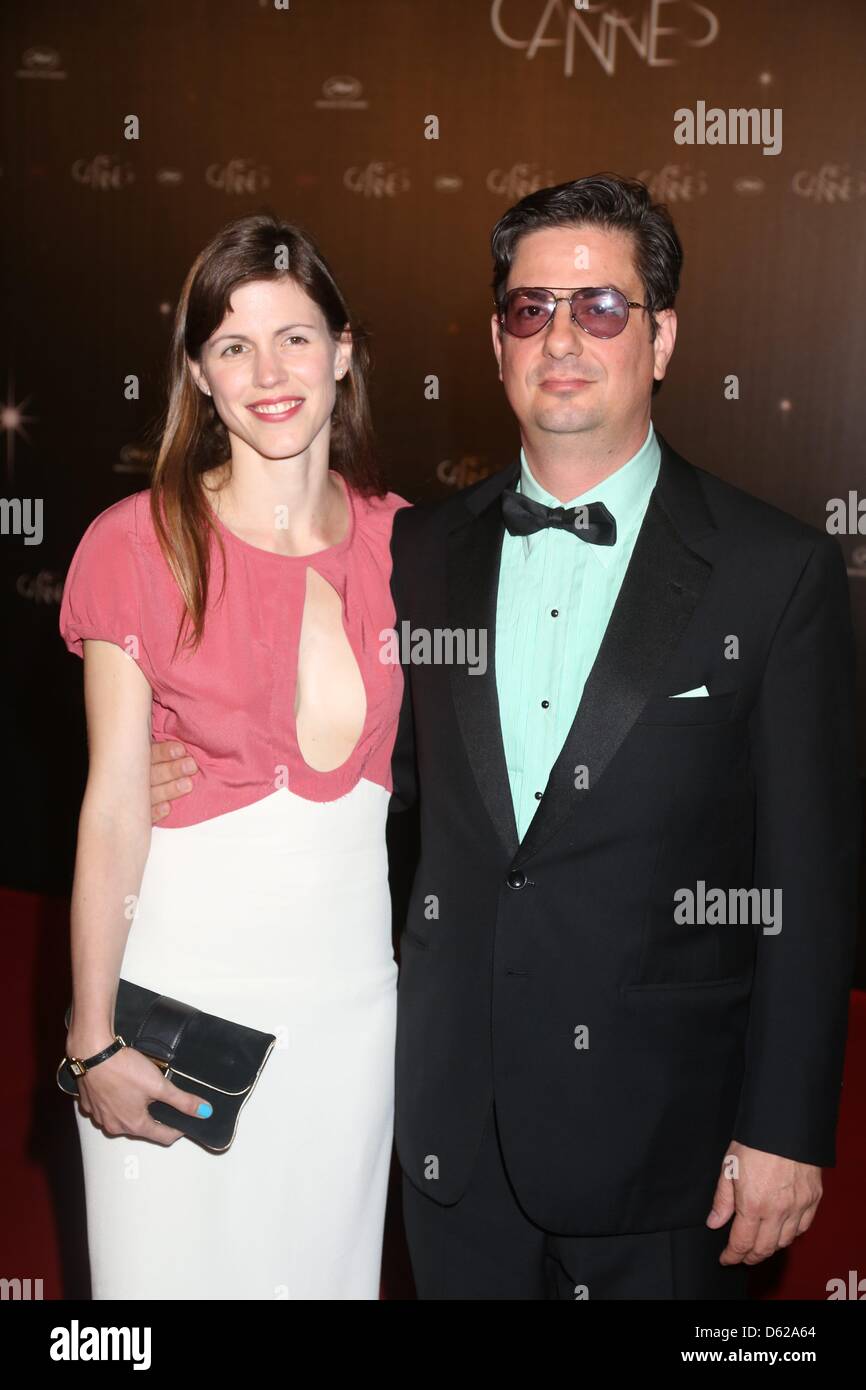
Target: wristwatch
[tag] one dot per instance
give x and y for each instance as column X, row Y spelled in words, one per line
column 78, row 1066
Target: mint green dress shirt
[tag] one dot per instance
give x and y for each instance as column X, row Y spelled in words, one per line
column 556, row 594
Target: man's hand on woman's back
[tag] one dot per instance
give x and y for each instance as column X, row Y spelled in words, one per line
column 171, row 772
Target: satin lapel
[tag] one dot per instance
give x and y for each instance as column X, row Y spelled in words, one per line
column 473, row 583
column 661, row 589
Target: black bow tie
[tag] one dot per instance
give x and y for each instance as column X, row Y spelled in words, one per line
column 523, row 516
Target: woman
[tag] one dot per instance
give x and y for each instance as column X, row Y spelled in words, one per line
column 263, row 541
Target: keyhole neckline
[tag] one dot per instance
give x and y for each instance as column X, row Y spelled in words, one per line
column 335, row 549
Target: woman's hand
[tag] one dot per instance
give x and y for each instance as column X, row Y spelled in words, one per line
column 115, row 1095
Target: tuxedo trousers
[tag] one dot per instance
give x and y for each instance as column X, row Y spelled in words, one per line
column 485, row 1247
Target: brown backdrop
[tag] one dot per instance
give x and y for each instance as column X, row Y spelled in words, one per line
column 319, row 109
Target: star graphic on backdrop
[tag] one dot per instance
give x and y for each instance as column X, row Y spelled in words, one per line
column 12, row 422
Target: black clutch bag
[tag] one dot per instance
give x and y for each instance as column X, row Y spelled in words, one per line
column 200, row 1053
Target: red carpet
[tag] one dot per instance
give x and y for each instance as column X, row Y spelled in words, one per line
column 44, row 1228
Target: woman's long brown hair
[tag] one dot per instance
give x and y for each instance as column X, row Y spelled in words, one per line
column 193, row 439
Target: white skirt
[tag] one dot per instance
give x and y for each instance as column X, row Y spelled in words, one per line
column 277, row 916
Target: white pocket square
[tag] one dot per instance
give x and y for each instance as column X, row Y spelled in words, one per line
column 684, row 694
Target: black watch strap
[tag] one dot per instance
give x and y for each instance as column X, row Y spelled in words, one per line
column 79, row 1066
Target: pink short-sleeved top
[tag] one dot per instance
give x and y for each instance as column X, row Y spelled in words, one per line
column 231, row 703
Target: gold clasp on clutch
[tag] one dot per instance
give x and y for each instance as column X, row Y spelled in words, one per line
column 164, row 1066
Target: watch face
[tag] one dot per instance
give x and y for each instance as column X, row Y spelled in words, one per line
column 76, row 1067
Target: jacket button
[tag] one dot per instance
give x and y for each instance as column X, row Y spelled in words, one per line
column 516, row 879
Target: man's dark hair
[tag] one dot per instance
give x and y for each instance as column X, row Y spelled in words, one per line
column 599, row 200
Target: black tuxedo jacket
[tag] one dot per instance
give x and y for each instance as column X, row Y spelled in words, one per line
column 625, row 1049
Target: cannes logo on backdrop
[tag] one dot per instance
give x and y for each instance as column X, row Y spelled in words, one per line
column 657, row 32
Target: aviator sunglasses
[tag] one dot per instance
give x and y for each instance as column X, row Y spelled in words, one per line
column 601, row 311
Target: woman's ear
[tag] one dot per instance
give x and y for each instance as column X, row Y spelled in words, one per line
column 343, row 359
column 198, row 376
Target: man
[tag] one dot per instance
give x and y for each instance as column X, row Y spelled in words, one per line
column 625, row 971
